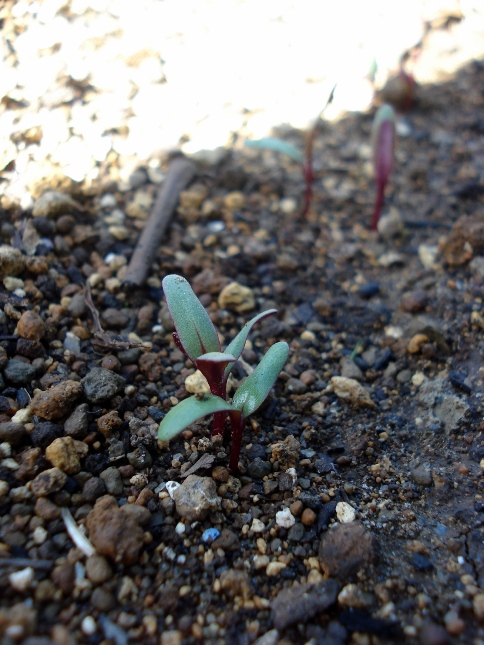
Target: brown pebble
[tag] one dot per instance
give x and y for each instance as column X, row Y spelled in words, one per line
column 57, row 401
column 236, row 583
column 98, row 569
column 102, row 599
column 431, row 634
column 48, row 482
column 111, row 363
column 220, row 474
column 308, row 377
column 308, row 517
column 46, row 509
column 145, row 496
column 65, row 224
column 108, row 423
column 414, row 301
column 296, row 508
column 150, row 366
column 344, row 548
column 126, row 471
column 62, row 453
column 31, row 326
column 64, row 577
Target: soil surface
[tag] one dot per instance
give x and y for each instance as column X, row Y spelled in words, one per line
column 357, row 514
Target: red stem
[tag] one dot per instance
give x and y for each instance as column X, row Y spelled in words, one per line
column 218, row 425
column 308, row 194
column 380, row 192
column 237, row 423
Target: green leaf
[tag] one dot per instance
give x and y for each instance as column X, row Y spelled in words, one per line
column 271, row 143
column 254, row 390
column 237, row 345
column 193, row 325
column 189, row 411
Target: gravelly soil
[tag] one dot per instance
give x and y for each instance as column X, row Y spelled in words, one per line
column 383, row 508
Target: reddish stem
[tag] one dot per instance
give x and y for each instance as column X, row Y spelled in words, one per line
column 308, row 194
column 218, row 425
column 237, row 423
column 380, row 192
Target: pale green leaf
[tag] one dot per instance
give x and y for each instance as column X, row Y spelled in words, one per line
column 237, row 345
column 189, row 411
column 192, row 323
column 277, row 145
column 254, row 390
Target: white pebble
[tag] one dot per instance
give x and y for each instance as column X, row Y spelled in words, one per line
column 180, row 528
column 257, row 526
column 345, row 512
column 285, row 518
column 21, row 580
column 88, row 626
column 171, row 487
column 40, row 535
column 23, row 416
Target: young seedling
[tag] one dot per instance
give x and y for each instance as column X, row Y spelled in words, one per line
column 304, row 160
column 383, row 135
column 196, row 336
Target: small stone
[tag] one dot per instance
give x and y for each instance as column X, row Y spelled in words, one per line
column 431, row 634
column 228, row 541
column 98, row 569
column 286, row 452
column 286, row 481
column 351, row 391
column 140, row 514
column 296, row 386
column 173, row 637
column 220, row 474
column 478, row 606
column 236, row 297
column 234, row 201
column 257, row 526
column 308, row 517
column 77, row 423
column 350, row 370
column 235, row 582
column 93, row 489
column 113, row 533
column 285, row 518
column 421, row 476
column 114, row 318
column 109, row 423
column 47, row 510
column 77, row 307
column 453, row 623
column 12, row 261
column 54, row 203
column 100, row 384
column 197, row 384
column 31, row 326
column 103, row 600
column 12, row 432
column 259, row 468
column 12, row 284
column 22, row 580
column 296, row 532
column 196, row 498
column 19, row 373
column 415, row 344
column 344, row 548
column 391, row 224
column 345, row 512
column 414, row 301
column 113, row 481
column 274, row 568
column 57, row 401
column 62, row 453
column 352, row 596
column 48, row 482
column 64, row 577
column 299, row 603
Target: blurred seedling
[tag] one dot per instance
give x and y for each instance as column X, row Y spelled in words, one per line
column 305, row 160
column 196, row 336
column 383, row 144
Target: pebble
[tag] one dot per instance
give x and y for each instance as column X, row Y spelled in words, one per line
column 114, row 318
column 12, row 432
column 19, row 373
column 431, row 634
column 54, row 203
column 308, row 517
column 57, row 401
column 14, row 284
column 22, row 580
column 299, row 603
column 77, row 424
column 391, row 224
column 478, row 606
column 286, row 452
column 111, row 477
column 48, row 482
column 197, row 384
column 113, row 533
column 428, row 255
column 344, row 548
column 63, row 453
column 100, row 384
column 414, row 301
column 4, row 488
column 351, row 391
column 235, row 582
column 453, row 623
column 12, row 261
column 236, row 297
column 285, row 518
column 98, row 569
column 422, row 476
column 31, row 326
column 109, row 423
column 350, row 370
column 88, row 626
column 274, row 568
column 296, row 386
column 196, row 497
column 296, row 532
column 345, row 512
column 102, row 599
column 257, row 526
column 209, row 535
column 259, row 468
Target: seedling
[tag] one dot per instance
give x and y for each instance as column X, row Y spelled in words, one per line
column 196, row 336
column 383, row 135
column 304, row 160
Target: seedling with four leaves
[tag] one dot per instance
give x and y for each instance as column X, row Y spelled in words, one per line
column 196, row 336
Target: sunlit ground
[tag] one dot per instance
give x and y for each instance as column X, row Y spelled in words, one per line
column 142, row 77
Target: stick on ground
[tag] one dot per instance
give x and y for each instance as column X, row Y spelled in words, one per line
column 180, row 172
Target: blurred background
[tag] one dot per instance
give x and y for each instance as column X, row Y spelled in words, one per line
column 87, row 84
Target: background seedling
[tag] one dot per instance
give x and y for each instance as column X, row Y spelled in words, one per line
column 383, row 135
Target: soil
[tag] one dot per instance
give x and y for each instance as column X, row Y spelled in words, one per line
column 381, row 536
